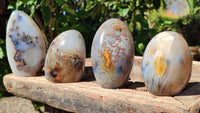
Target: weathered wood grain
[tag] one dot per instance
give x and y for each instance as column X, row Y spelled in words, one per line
column 87, row 96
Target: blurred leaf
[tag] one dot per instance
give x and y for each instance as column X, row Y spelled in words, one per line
column 30, row 2
column 123, row 11
column 46, row 14
column 64, row 24
column 166, row 22
column 1, row 53
column 142, row 20
column 66, row 8
column 97, row 11
column 152, row 32
column 141, row 47
column 191, row 3
column 32, row 10
column 196, row 10
column 130, row 26
column 138, row 26
column 22, row 1
column 10, row 7
column 60, row 2
column 1, row 94
column 37, row 105
column 18, row 3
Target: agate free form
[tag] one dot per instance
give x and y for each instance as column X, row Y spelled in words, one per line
column 65, row 58
column 25, row 45
column 167, row 64
column 112, row 54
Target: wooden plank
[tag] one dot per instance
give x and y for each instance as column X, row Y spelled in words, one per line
column 51, row 109
column 189, row 96
column 88, row 96
column 136, row 72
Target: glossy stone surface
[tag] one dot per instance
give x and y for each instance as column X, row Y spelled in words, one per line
column 65, row 58
column 167, row 64
column 112, row 54
column 25, row 45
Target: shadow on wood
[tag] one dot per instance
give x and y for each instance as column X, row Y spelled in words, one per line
column 193, row 88
column 88, row 74
column 50, row 109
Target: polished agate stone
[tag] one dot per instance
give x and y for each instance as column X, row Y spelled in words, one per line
column 25, row 45
column 167, row 64
column 112, row 54
column 65, row 58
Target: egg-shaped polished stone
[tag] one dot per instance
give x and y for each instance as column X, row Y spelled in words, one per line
column 112, row 54
column 25, row 45
column 65, row 58
column 167, row 64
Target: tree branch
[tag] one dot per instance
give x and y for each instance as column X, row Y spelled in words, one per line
column 50, row 3
column 2, row 89
column 41, row 26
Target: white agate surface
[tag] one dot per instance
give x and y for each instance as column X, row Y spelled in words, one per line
column 65, row 58
column 25, row 45
column 167, row 64
column 112, row 54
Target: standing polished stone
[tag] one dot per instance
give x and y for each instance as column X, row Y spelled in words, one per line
column 25, row 45
column 112, row 54
column 167, row 64
column 65, row 58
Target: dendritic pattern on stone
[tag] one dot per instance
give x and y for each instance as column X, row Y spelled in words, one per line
column 65, row 58
column 112, row 53
column 25, row 45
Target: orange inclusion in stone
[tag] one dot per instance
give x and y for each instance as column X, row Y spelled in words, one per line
column 170, row 86
column 107, row 60
column 116, row 27
column 58, row 77
column 160, row 66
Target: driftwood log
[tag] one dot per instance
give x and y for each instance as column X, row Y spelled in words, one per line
column 87, row 96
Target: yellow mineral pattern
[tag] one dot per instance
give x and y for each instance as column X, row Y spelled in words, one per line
column 107, row 62
column 160, row 66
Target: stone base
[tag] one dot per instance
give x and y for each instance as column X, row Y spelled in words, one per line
column 16, row 105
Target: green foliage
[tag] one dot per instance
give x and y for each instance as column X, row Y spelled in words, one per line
column 193, row 6
column 188, row 25
column 37, row 105
column 123, row 12
column 1, row 53
column 5, row 68
column 56, row 16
